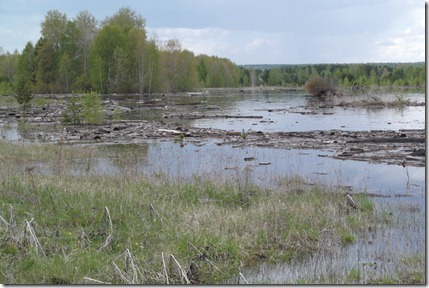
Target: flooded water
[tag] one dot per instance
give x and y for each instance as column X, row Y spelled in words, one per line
column 287, row 112
column 9, row 132
column 261, row 166
column 376, row 254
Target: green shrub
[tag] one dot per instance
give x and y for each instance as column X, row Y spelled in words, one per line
column 71, row 114
column 23, row 91
column 92, row 109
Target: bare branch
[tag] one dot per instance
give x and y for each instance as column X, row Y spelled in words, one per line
column 95, row 281
column 181, row 269
column 109, row 238
column 164, row 267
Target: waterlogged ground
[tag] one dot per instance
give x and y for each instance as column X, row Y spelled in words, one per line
column 378, row 253
column 154, row 145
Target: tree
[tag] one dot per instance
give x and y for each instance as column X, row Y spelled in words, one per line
column 54, row 27
column 126, row 19
column 373, row 79
column 314, row 72
column 87, row 28
column 27, row 63
column 244, row 77
column 303, row 75
column 106, row 42
column 47, row 63
column 185, row 77
column 170, row 57
column 8, row 65
column 152, row 66
column 98, row 74
column 23, row 91
column 275, row 77
column 120, row 72
column 64, row 69
column 137, row 42
column 202, row 71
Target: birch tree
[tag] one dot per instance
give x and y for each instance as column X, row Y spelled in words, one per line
column 87, row 28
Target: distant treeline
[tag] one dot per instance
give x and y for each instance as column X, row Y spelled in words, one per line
column 376, row 74
column 116, row 56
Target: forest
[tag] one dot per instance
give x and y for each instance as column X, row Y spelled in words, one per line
column 346, row 75
column 116, row 55
column 110, row 56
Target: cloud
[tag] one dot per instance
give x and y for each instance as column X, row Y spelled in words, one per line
column 385, row 42
column 406, row 44
column 189, row 33
column 251, row 31
column 257, row 44
column 237, row 45
column 210, row 41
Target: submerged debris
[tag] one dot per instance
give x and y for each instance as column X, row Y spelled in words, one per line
column 403, row 147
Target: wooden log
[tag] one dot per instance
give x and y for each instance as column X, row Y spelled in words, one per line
column 232, row 133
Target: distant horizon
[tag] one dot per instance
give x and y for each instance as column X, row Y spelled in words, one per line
column 332, row 63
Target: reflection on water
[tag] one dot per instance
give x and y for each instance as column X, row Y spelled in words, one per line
column 256, row 165
column 226, row 162
column 287, row 112
column 223, row 162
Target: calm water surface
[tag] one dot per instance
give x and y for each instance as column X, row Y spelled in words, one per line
column 293, row 115
column 226, row 162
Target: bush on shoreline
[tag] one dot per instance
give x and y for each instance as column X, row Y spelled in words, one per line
column 318, row 86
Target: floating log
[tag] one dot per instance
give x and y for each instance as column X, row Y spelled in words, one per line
column 194, row 93
column 240, row 117
column 232, row 133
column 176, row 132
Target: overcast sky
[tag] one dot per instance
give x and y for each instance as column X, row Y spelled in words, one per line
column 253, row 31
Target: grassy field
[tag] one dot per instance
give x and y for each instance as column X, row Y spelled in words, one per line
column 128, row 229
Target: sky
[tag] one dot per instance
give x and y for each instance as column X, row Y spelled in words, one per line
column 252, row 31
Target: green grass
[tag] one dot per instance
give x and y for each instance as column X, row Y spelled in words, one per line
column 354, row 276
column 119, row 229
